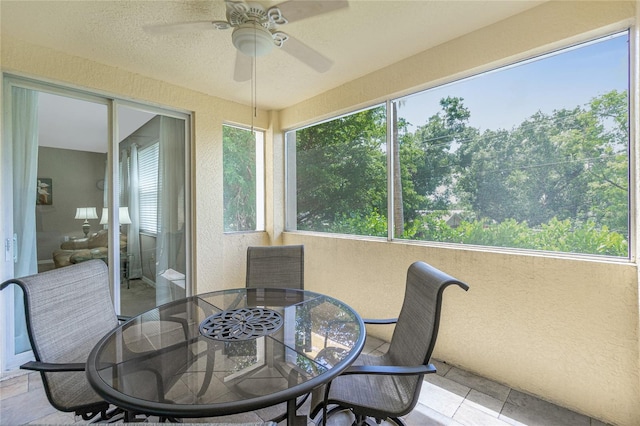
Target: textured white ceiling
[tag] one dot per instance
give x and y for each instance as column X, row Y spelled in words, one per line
column 366, row 36
column 82, row 125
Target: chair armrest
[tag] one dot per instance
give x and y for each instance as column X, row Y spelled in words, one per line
column 366, row 321
column 380, row 321
column 391, row 370
column 51, row 367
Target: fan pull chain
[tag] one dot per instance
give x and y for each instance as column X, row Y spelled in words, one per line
column 254, row 74
column 253, row 90
column 255, row 87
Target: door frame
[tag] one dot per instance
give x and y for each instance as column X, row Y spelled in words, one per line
column 9, row 360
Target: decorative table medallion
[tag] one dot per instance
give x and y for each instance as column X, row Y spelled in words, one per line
column 241, row 324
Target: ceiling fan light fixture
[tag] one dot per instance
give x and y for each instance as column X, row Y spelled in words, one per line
column 252, row 39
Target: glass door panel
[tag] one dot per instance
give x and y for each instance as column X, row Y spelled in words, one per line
column 60, row 162
column 152, row 172
column 72, row 159
column 58, row 148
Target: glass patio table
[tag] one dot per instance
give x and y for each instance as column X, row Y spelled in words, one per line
column 226, row 352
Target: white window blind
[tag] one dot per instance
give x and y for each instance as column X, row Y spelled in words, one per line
column 148, row 184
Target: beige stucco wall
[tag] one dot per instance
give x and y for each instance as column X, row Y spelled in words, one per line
column 563, row 329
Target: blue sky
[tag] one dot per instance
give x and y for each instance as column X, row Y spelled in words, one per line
column 504, row 98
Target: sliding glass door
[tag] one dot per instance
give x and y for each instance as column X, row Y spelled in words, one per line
column 71, row 158
column 152, row 171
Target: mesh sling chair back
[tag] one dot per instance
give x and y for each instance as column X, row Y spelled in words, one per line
column 388, row 386
column 275, row 266
column 67, row 311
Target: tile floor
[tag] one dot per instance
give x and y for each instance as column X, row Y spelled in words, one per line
column 136, row 298
column 451, row 397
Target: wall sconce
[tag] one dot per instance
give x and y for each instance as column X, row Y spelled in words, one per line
column 86, row 213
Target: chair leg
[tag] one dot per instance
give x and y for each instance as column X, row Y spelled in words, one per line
column 363, row 421
column 281, row 417
column 101, row 416
column 359, row 420
column 326, row 413
column 131, row 417
column 398, row 421
column 114, row 414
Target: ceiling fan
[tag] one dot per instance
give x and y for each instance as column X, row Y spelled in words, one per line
column 256, row 31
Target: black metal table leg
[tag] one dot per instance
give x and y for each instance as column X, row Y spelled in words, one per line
column 292, row 418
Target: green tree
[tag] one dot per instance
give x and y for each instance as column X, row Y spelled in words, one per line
column 341, row 169
column 556, row 182
column 239, row 173
column 398, row 207
column 571, row 164
column 608, row 192
column 427, row 158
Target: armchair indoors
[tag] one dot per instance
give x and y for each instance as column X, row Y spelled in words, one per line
column 68, row 310
column 388, row 386
column 83, row 249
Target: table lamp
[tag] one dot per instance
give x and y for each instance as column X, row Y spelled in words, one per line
column 86, row 213
column 123, row 216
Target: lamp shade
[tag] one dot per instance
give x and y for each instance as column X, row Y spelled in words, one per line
column 86, row 213
column 252, row 39
column 123, row 216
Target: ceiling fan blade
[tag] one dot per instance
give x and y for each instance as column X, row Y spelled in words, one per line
column 295, row 10
column 306, row 54
column 242, row 70
column 184, row 27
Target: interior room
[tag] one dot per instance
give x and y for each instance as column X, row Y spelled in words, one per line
column 72, row 154
column 555, row 323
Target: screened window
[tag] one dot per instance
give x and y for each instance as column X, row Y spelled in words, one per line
column 243, row 186
column 340, row 178
column 148, row 188
column 532, row 156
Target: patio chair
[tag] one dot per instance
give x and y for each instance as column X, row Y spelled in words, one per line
column 275, row 266
column 388, row 386
column 67, row 311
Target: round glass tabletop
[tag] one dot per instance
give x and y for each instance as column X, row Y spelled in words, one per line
column 226, row 352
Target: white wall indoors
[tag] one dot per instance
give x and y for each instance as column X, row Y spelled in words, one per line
column 561, row 328
column 74, row 175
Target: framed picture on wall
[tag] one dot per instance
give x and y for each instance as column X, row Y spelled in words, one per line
column 44, row 196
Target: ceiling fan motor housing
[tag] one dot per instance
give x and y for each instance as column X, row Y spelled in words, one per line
column 253, row 24
column 252, row 39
